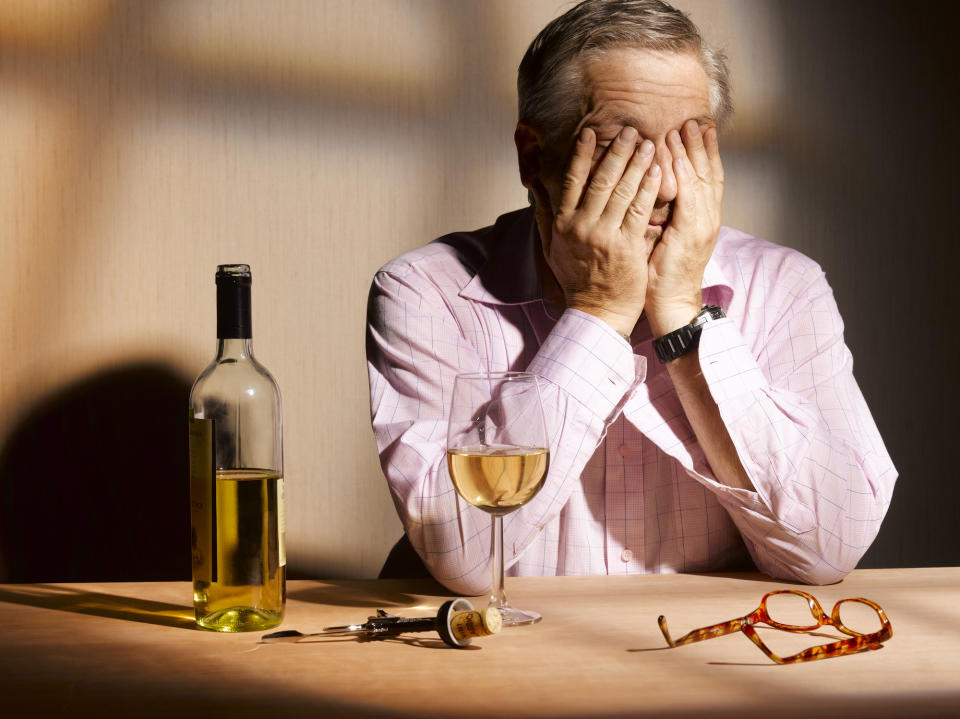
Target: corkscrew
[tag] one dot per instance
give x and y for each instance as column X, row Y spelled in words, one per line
column 457, row 623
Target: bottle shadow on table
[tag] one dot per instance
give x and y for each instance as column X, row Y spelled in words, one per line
column 94, row 482
column 68, row 599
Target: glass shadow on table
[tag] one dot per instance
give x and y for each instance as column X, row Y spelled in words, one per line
column 380, row 593
column 65, row 599
column 746, row 572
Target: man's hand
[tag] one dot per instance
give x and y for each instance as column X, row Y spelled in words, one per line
column 594, row 240
column 679, row 259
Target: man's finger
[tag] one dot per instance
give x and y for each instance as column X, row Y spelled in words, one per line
column 688, row 203
column 626, row 189
column 638, row 213
column 577, row 171
column 695, row 150
column 712, row 145
column 608, row 173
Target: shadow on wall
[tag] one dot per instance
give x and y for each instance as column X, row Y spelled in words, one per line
column 94, row 482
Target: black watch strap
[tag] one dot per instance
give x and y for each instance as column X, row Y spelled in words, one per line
column 687, row 338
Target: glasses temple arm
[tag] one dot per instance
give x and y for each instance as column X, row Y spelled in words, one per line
column 697, row 635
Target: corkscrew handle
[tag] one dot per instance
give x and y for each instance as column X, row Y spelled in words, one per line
column 457, row 623
column 388, row 625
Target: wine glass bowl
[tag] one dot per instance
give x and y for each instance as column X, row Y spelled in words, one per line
column 497, row 479
column 498, row 456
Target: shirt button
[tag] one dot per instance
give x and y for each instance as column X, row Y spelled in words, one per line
column 623, row 450
column 626, row 555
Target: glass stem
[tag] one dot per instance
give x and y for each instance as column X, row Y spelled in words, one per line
column 498, row 598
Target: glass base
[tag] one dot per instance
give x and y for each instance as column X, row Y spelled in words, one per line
column 518, row 617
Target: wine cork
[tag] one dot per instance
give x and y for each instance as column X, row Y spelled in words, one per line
column 470, row 624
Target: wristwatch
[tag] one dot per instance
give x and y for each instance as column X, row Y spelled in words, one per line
column 679, row 342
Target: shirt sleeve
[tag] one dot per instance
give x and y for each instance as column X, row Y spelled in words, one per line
column 805, row 437
column 415, row 348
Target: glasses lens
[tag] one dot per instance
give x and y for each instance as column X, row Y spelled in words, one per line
column 859, row 617
column 791, row 610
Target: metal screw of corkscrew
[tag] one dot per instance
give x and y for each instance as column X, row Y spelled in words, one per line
column 457, row 623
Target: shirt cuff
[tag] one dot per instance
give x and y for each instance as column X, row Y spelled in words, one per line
column 586, row 358
column 727, row 364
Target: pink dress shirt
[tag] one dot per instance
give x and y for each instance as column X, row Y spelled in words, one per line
column 628, row 489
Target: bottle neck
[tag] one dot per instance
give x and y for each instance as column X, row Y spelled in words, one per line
column 233, row 311
column 234, row 348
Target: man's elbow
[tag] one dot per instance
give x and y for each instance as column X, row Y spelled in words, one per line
column 821, row 575
column 806, row 570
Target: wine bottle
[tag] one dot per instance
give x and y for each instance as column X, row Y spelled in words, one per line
column 236, row 476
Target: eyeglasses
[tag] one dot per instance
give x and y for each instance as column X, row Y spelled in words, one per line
column 787, row 610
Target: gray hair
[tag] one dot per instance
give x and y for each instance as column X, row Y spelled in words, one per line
column 549, row 82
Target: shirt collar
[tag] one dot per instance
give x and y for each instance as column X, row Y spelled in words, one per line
column 509, row 274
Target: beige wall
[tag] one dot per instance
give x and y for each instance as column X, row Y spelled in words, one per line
column 142, row 143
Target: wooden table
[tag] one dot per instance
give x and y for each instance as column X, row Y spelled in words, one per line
column 105, row 650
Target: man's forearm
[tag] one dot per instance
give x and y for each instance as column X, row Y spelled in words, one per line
column 704, row 417
column 407, row 379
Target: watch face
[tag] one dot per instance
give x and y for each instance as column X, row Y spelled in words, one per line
column 708, row 314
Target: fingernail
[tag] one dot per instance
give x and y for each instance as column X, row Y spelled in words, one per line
column 654, row 170
column 646, row 148
column 584, row 135
column 628, row 135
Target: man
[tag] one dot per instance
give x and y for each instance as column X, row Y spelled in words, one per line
column 701, row 400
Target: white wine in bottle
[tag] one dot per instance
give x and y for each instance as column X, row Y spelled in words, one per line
column 236, row 476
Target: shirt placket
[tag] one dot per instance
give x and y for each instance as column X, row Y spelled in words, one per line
column 623, row 498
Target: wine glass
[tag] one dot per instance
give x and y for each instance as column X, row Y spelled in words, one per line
column 498, row 456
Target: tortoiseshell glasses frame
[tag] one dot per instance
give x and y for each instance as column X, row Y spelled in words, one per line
column 856, row 641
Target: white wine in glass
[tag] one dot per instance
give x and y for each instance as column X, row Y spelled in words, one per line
column 498, row 457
